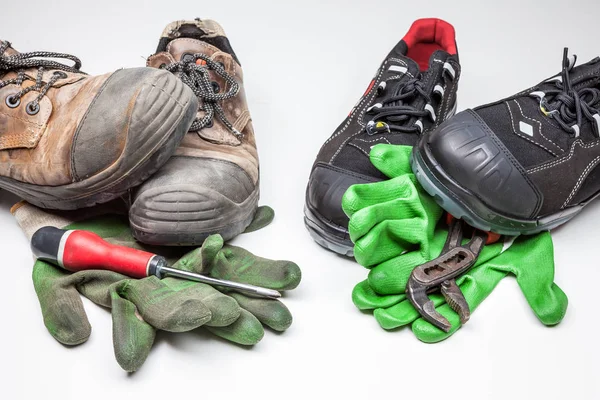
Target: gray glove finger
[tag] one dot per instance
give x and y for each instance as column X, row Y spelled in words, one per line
column 166, row 308
column 263, row 217
column 271, row 313
column 61, row 305
column 132, row 336
column 224, row 310
column 246, row 330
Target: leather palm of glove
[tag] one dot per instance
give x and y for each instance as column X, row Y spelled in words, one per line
column 396, row 227
column 139, row 307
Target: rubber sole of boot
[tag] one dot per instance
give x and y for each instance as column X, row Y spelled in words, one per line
column 124, row 174
column 463, row 204
column 193, row 233
column 327, row 235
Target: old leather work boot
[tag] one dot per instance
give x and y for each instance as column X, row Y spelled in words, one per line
column 210, row 185
column 69, row 140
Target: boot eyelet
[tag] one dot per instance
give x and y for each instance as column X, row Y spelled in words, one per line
column 188, row 58
column 162, row 66
column 210, row 124
column 61, row 74
column 221, row 64
column 13, row 101
column 32, row 108
column 215, row 86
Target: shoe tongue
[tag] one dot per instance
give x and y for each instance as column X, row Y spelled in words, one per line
column 401, row 65
column 190, row 37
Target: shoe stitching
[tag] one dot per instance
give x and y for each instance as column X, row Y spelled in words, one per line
column 525, row 137
column 364, row 102
column 564, row 159
column 359, row 148
column 539, row 125
column 580, row 180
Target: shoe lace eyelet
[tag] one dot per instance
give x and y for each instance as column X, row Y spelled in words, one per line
column 210, row 124
column 162, row 66
column 32, row 108
column 216, row 87
column 60, row 74
column 188, row 58
column 12, row 101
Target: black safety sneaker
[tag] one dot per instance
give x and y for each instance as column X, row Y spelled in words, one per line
column 523, row 164
column 413, row 91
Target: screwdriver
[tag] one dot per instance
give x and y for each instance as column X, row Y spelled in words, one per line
column 78, row 250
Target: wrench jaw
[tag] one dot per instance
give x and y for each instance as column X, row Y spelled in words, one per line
column 417, row 295
column 456, row 300
column 440, row 274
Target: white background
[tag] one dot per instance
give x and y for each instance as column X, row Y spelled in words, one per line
column 306, row 63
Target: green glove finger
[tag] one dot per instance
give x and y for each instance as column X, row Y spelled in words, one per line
column 246, row 330
column 389, row 239
column 132, row 336
column 391, row 277
column 533, row 266
column 263, row 217
column 224, row 310
column 165, row 308
column 392, row 160
column 365, row 298
column 239, row 265
column 361, row 196
column 62, row 308
column 398, row 209
column 271, row 313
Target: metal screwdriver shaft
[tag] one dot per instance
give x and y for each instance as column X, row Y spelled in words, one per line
column 250, row 289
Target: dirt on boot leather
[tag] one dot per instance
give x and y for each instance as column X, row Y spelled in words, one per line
column 211, row 184
column 69, row 140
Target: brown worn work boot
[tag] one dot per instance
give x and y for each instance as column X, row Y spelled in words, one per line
column 210, row 185
column 69, row 140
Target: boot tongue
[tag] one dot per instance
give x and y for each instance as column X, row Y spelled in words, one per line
column 402, row 66
column 196, row 36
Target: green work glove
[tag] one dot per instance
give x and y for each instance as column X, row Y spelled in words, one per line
column 140, row 307
column 395, row 227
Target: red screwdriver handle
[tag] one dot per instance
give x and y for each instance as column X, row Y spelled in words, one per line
column 82, row 250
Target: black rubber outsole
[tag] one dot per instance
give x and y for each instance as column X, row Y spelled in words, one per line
column 462, row 204
column 335, row 239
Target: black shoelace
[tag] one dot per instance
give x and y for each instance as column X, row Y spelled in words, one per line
column 197, row 77
column 567, row 106
column 393, row 113
column 38, row 59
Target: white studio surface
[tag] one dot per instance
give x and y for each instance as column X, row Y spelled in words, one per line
column 306, row 63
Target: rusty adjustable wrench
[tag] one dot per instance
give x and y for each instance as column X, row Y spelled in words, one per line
column 440, row 274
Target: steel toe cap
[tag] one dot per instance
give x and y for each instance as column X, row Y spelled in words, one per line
column 192, row 195
column 471, row 154
column 326, row 187
column 133, row 113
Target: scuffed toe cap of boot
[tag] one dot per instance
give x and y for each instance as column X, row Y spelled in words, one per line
column 469, row 152
column 191, row 198
column 134, row 112
column 326, row 187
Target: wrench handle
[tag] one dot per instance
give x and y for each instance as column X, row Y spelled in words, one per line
column 82, row 250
